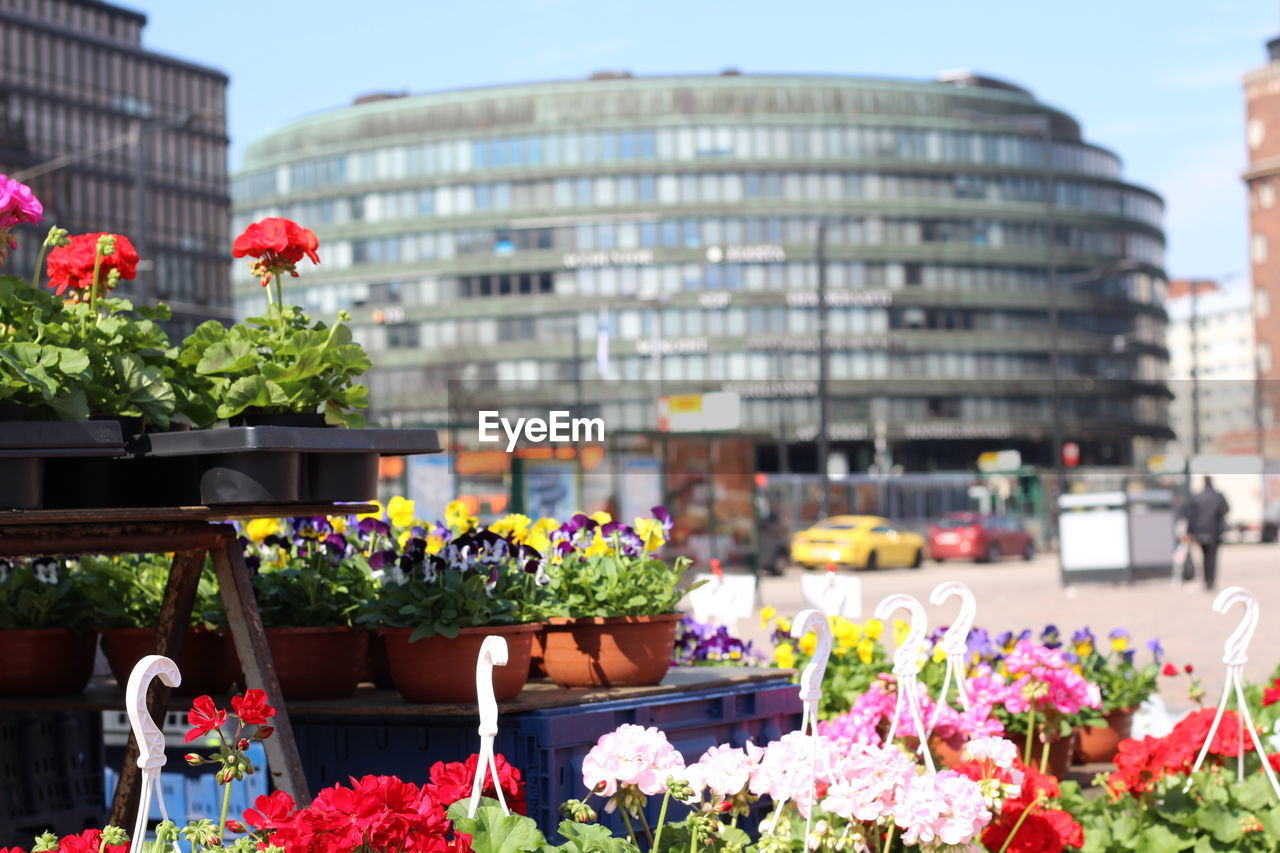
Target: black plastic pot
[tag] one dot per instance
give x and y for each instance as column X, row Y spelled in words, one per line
column 275, row 464
column 331, row 477
column 83, row 483
column 39, row 459
column 13, row 412
column 21, row 482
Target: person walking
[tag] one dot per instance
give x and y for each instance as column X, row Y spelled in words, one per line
column 1206, row 515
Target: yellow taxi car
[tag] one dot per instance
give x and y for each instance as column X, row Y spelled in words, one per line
column 857, row 541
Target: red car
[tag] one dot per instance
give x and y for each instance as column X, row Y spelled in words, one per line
column 984, row 538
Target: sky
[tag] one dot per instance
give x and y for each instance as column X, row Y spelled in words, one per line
column 1159, row 83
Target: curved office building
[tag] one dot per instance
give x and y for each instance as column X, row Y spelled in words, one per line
column 482, row 234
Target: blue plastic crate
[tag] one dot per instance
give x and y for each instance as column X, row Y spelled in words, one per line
column 551, row 744
column 51, row 773
column 547, row 745
column 190, row 793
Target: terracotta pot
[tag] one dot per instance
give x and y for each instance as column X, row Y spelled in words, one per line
column 537, row 662
column 1060, row 752
column 45, row 661
column 318, row 663
column 623, row 651
column 945, row 752
column 1099, row 744
column 440, row 670
column 379, row 668
column 208, row 661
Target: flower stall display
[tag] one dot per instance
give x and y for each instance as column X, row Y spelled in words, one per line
column 310, row 581
column 47, row 633
column 611, row 601
column 127, row 592
column 444, row 588
column 1123, row 682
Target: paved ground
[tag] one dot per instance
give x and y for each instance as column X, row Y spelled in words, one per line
column 1017, row 594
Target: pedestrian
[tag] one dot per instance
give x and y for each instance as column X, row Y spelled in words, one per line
column 1205, row 513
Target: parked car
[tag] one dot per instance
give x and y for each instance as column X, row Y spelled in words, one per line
column 858, row 542
column 984, row 538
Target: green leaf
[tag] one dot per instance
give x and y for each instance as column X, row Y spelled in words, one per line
column 229, row 356
column 250, row 391
column 144, row 389
column 1158, row 838
column 492, row 831
column 1219, row 822
column 594, row 838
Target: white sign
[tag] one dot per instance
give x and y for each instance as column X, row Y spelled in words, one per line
column 716, row 411
column 846, row 298
column 723, row 600
column 833, row 594
column 999, row 461
column 616, row 258
column 762, row 253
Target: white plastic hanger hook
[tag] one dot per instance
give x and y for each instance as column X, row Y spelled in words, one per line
column 493, row 652
column 811, row 689
column 815, row 669
column 149, row 737
column 906, row 665
column 1234, row 655
column 955, row 643
column 956, row 639
column 1235, row 651
column 906, row 657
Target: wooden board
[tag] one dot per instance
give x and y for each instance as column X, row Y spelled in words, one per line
column 104, row 695
column 177, row 513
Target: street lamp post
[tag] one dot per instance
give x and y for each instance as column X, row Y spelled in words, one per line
column 823, row 443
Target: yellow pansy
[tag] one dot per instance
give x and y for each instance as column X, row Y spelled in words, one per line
column 785, row 656
column 939, row 654
column 846, row 633
column 403, row 537
column 766, row 614
column 280, row 560
column 598, row 548
column 1084, row 649
column 538, row 541
column 874, row 628
column 866, row 649
column 514, row 526
column 1120, row 643
column 435, row 543
column 337, row 524
column 260, row 528
column 400, row 511
column 377, row 511
column 840, row 651
column 651, row 533
column 784, row 624
column 601, row 517
column 458, row 518
column 809, row 643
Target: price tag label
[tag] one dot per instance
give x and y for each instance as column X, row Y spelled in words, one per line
column 833, row 594
column 723, row 599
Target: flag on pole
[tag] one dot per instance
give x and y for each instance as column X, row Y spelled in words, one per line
column 602, row 344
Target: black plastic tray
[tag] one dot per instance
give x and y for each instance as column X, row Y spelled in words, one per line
column 258, row 439
column 61, row 438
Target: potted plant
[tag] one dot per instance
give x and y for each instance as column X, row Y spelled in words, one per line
column 310, row 580
column 442, row 591
column 46, row 636
column 612, row 602
column 128, row 591
column 1124, row 686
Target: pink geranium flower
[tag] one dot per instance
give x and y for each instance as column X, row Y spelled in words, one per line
column 869, row 780
column 631, row 757
column 941, row 810
column 18, row 206
column 724, row 770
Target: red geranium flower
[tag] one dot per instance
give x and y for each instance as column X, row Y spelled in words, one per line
column 1271, row 695
column 88, row 842
column 278, row 244
column 1169, row 669
column 71, row 266
column 270, row 812
column 204, row 716
column 452, row 782
column 1044, row 831
column 11, row 849
column 252, row 708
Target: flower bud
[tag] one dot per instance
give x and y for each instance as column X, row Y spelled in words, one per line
column 106, row 244
column 264, row 732
column 166, row 832
column 45, row 842
column 193, row 759
column 243, row 744
column 235, row 826
column 114, row 835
